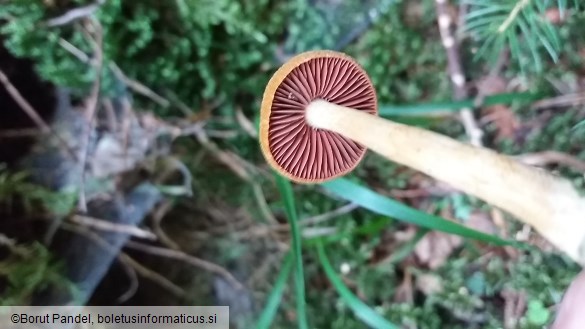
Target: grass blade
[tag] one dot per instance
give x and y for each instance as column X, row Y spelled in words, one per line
column 359, row 308
column 269, row 311
column 562, row 5
column 288, row 199
column 454, row 106
column 392, row 208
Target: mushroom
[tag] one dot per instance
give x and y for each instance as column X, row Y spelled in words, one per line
column 318, row 116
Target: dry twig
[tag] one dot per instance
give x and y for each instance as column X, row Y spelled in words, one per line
column 94, row 34
column 560, row 101
column 229, row 159
column 75, row 14
column 451, row 45
column 223, row 134
column 191, row 260
column 264, row 230
column 157, row 218
column 262, row 204
column 111, row 118
column 139, row 87
column 130, row 271
column 127, row 260
column 107, row 226
column 329, row 215
column 81, row 56
column 245, row 123
column 12, row 245
column 33, row 114
column 238, row 166
column 161, row 280
column 552, row 157
column 19, row 133
column 133, row 287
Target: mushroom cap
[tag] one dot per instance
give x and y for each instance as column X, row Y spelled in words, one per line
column 298, row 151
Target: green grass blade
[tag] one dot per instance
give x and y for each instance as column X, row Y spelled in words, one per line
column 562, row 5
column 386, row 206
column 454, row 106
column 271, row 307
column 288, row 199
column 359, row 308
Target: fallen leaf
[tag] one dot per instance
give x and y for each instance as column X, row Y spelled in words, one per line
column 429, row 284
column 481, row 221
column 501, row 116
column 505, row 121
column 435, row 248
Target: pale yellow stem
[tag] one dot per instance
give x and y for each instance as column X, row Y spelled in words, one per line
column 548, row 203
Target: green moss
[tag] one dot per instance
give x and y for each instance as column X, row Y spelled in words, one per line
column 28, row 270
column 403, row 63
column 197, row 49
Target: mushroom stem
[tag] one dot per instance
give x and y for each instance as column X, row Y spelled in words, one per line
column 548, row 203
